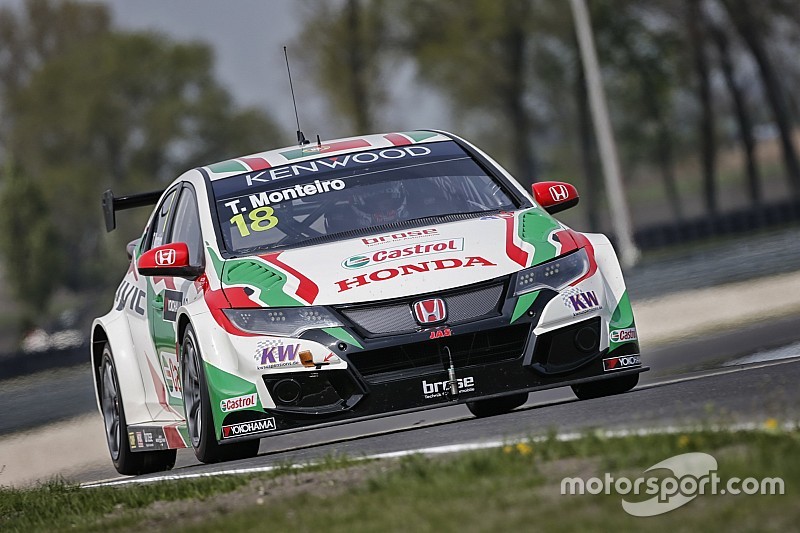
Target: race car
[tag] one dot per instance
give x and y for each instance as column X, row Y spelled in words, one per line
column 345, row 280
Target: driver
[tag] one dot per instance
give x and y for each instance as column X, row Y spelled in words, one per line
column 382, row 203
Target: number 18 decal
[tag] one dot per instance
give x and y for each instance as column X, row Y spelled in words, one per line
column 261, row 219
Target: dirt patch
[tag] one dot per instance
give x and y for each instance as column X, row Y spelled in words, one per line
column 260, row 491
column 686, row 314
column 63, row 449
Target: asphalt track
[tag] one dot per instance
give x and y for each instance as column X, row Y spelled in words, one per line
column 691, row 381
column 690, row 385
column 746, row 395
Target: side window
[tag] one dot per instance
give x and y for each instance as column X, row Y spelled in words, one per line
column 160, row 220
column 186, row 227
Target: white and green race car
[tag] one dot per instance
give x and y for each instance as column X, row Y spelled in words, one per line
column 325, row 283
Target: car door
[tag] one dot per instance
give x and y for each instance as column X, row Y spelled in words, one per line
column 167, row 294
column 156, row 395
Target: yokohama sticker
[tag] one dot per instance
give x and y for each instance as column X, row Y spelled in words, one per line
column 623, row 335
column 623, row 361
column 240, row 402
column 248, row 428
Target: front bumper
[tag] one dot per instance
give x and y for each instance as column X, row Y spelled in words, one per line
column 387, row 374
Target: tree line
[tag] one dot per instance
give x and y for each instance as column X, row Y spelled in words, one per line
column 683, row 76
column 85, row 106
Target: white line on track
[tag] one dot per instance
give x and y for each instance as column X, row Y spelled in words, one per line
column 786, row 352
column 470, row 446
column 741, row 367
column 456, row 448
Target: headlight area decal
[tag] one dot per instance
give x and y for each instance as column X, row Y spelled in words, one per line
column 553, row 240
column 532, row 303
column 269, row 280
column 524, row 302
column 343, row 335
column 307, row 290
column 581, row 241
column 513, row 250
column 534, row 229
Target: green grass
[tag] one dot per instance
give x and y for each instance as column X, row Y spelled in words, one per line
column 516, row 487
column 58, row 505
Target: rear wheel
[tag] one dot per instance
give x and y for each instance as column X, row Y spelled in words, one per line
column 497, row 406
column 605, row 387
column 197, row 407
column 125, row 460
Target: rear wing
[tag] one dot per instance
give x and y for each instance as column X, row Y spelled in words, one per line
column 113, row 204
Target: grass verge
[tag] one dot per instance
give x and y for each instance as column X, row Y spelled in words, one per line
column 514, row 487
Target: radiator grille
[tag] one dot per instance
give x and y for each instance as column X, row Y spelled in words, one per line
column 397, row 318
column 419, row 358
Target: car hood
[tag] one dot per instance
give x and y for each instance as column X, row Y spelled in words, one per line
column 396, row 264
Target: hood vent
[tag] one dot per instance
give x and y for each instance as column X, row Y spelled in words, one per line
column 252, row 273
column 536, row 225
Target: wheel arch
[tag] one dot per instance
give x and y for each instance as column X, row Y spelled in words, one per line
column 99, row 339
column 183, row 323
column 116, row 333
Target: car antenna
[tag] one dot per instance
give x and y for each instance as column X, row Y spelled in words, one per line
column 301, row 139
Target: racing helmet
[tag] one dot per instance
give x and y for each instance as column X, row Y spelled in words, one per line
column 381, row 203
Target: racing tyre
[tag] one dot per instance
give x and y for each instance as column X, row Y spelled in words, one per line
column 605, row 387
column 125, row 461
column 496, row 406
column 197, row 407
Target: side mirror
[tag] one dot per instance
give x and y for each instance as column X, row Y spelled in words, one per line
column 555, row 196
column 168, row 260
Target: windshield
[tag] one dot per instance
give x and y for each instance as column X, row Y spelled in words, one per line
column 286, row 206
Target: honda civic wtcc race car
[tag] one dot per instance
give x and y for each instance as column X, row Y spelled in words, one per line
column 325, row 283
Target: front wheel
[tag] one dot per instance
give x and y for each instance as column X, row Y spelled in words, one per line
column 496, row 406
column 125, row 460
column 197, row 407
column 605, row 387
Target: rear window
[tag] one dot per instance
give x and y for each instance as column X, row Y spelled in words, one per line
column 321, row 199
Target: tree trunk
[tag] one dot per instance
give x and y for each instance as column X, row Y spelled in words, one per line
column 588, row 159
column 742, row 114
column 362, row 115
column 663, row 154
column 697, row 35
column 514, row 42
column 742, row 14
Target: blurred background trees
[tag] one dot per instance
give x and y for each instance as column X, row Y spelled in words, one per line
column 692, row 84
column 85, row 108
column 701, row 94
